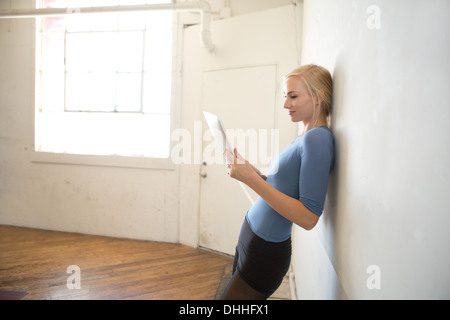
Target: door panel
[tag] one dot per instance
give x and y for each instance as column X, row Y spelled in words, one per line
column 241, row 81
column 244, row 100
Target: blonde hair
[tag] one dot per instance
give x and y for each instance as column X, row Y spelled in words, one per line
column 319, row 84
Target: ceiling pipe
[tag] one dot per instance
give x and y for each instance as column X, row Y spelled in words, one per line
column 201, row 7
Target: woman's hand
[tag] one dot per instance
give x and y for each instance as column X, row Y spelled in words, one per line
column 290, row 208
column 239, row 168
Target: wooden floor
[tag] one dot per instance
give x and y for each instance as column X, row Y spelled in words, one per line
column 35, row 262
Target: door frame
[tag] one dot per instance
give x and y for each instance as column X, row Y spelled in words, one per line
column 190, row 100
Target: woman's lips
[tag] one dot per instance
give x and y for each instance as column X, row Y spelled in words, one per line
column 291, row 112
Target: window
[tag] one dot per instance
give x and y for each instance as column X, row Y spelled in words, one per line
column 104, row 81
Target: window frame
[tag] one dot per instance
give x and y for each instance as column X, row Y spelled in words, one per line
column 108, row 160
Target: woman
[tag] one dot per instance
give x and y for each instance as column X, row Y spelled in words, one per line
column 293, row 192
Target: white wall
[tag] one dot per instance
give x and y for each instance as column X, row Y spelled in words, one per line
column 114, row 201
column 265, row 39
column 124, row 202
column 104, row 200
column 387, row 202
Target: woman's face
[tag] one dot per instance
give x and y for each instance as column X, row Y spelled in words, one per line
column 298, row 101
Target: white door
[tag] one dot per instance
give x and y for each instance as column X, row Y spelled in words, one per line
column 241, row 81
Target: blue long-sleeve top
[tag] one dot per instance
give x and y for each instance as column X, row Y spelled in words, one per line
column 300, row 171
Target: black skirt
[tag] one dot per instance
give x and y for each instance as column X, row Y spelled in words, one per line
column 262, row 264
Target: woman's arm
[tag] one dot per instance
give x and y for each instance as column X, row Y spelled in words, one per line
column 230, row 159
column 259, row 173
column 290, row 208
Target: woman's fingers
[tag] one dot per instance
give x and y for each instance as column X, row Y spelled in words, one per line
column 232, row 159
column 238, row 159
column 228, row 156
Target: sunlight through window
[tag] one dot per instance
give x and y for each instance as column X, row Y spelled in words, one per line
column 104, row 81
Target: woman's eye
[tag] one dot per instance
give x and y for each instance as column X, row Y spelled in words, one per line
column 293, row 97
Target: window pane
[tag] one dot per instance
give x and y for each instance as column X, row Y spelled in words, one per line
column 51, row 132
column 101, row 3
column 103, row 51
column 128, row 92
column 52, row 59
column 79, row 91
column 105, row 22
column 158, row 128
column 78, row 3
column 91, row 92
column 158, row 50
column 95, row 63
column 79, row 52
column 52, row 91
column 129, row 51
column 147, row 135
column 54, row 24
column 53, row 3
column 132, row 21
column 103, row 92
column 157, row 92
column 159, row 20
column 158, row 54
column 79, row 22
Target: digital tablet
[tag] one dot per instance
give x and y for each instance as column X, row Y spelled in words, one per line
column 218, row 131
column 220, row 136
